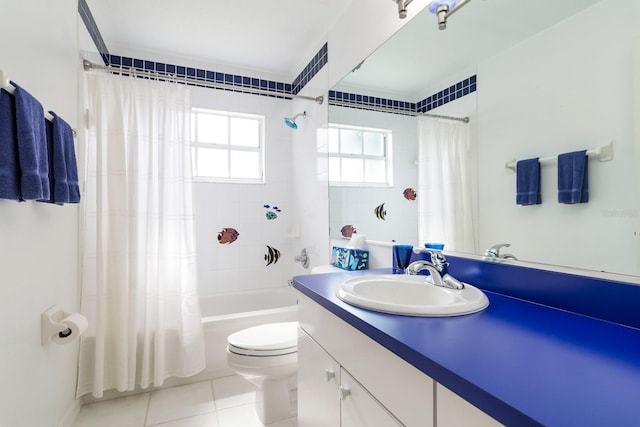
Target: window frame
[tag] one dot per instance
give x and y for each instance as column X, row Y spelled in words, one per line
column 387, row 157
column 228, row 147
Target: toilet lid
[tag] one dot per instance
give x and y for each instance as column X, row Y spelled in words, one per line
column 266, row 340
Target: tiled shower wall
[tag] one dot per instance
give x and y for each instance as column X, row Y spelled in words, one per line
column 241, row 265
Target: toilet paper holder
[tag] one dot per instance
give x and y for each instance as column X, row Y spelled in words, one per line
column 52, row 324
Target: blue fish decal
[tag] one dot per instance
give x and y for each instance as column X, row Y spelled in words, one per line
column 380, row 212
column 266, row 206
column 272, row 256
column 271, row 215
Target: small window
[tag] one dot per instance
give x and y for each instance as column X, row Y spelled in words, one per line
column 227, row 147
column 359, row 156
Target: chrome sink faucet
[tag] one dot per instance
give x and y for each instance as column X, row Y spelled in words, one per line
column 494, row 252
column 438, row 268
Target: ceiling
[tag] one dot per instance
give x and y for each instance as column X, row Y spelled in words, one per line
column 277, row 37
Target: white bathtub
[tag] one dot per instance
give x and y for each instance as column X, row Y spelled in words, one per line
column 224, row 314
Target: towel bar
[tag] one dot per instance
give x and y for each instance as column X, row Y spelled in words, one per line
column 6, row 85
column 604, row 153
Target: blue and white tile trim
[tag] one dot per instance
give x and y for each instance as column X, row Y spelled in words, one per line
column 231, row 82
column 364, row 102
column 453, row 92
column 225, row 81
column 92, row 28
column 312, row 68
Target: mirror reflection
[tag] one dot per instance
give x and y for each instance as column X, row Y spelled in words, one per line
column 547, row 84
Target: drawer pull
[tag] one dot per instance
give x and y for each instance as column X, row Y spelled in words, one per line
column 343, row 392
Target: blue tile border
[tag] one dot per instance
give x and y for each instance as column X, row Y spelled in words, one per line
column 92, row 28
column 311, row 69
column 364, row 102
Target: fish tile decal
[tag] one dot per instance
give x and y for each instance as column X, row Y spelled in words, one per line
column 227, row 235
column 409, row 193
column 348, row 230
column 272, row 256
column 271, row 213
column 380, row 212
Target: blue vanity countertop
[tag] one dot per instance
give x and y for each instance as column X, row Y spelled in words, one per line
column 520, row 362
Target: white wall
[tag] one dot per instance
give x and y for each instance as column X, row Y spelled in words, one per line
column 566, row 89
column 355, row 205
column 38, row 241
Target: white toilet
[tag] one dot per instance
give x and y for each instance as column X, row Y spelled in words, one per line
column 267, row 356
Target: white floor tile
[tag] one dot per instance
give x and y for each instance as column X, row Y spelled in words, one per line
column 287, row 423
column 123, row 412
column 180, row 402
column 239, row 416
column 205, row 420
column 233, row 391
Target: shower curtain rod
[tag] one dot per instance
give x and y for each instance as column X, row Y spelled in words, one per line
column 394, row 111
column 164, row 76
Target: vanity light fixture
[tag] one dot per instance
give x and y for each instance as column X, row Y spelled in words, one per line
column 402, row 8
column 445, row 8
column 441, row 8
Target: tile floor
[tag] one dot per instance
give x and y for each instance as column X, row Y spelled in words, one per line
column 223, row 402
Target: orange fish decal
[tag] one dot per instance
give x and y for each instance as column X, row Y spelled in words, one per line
column 409, row 194
column 227, row 235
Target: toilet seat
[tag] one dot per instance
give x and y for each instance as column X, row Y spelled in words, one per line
column 273, row 339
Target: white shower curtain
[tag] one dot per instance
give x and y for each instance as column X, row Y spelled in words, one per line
column 139, row 285
column 446, row 184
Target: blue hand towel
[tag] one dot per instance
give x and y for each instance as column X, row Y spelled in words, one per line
column 573, row 177
column 32, row 146
column 9, row 162
column 63, row 170
column 528, row 182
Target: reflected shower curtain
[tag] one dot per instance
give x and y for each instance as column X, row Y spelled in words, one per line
column 446, row 184
column 139, row 284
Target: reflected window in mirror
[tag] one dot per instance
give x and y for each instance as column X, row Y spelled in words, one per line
column 360, row 156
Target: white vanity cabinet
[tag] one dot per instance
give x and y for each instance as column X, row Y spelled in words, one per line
column 329, row 396
column 358, row 408
column 454, row 411
column 383, row 389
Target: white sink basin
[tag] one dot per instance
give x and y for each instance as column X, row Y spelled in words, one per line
column 410, row 295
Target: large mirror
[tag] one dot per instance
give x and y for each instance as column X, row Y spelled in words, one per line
column 552, row 77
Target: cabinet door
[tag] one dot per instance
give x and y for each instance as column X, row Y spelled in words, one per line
column 318, row 381
column 454, row 411
column 359, row 408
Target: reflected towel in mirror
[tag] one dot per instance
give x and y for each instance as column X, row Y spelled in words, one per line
column 573, row 177
column 528, row 182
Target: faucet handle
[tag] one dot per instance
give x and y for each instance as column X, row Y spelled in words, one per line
column 437, row 257
column 494, row 251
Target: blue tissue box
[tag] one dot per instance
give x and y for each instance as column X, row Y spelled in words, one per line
column 349, row 259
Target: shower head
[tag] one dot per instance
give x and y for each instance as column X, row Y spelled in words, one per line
column 291, row 122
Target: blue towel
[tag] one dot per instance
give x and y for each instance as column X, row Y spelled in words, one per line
column 573, row 177
column 32, row 146
column 63, row 170
column 9, row 162
column 528, row 182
